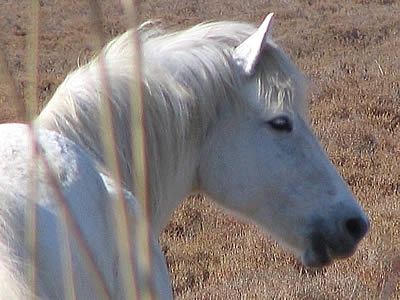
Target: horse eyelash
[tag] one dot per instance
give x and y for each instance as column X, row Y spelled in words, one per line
column 281, row 123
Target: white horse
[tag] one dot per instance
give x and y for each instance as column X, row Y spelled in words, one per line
column 225, row 113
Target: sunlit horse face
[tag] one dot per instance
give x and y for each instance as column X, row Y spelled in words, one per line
column 267, row 165
column 271, row 169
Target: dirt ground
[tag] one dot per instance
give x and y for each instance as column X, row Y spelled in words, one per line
column 350, row 52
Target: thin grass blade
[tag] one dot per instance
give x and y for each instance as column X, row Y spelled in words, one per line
column 121, row 220
column 138, row 133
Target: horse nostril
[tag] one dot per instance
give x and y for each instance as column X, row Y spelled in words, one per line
column 357, row 227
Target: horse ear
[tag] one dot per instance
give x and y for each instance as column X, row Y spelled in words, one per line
column 248, row 52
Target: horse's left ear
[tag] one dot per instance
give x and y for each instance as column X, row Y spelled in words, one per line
column 248, row 52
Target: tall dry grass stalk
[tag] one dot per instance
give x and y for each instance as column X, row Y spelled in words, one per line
column 26, row 113
column 138, row 136
column 32, row 63
column 128, row 264
column 130, row 282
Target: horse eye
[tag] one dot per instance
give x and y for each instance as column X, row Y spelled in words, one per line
column 281, row 123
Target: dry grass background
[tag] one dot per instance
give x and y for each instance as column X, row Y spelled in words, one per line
column 350, row 51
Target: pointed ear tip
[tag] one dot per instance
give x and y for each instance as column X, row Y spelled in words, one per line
column 267, row 23
column 269, row 17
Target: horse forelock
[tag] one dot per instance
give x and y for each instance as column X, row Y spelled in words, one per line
column 279, row 83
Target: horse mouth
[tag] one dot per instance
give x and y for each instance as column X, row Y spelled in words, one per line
column 321, row 253
column 324, row 245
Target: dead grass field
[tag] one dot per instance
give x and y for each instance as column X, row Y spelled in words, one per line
column 350, row 51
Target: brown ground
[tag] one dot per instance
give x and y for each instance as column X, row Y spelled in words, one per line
column 350, row 51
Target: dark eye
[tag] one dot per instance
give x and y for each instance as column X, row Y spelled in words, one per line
column 281, row 123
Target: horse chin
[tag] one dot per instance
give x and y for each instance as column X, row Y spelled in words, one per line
column 312, row 259
column 317, row 253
